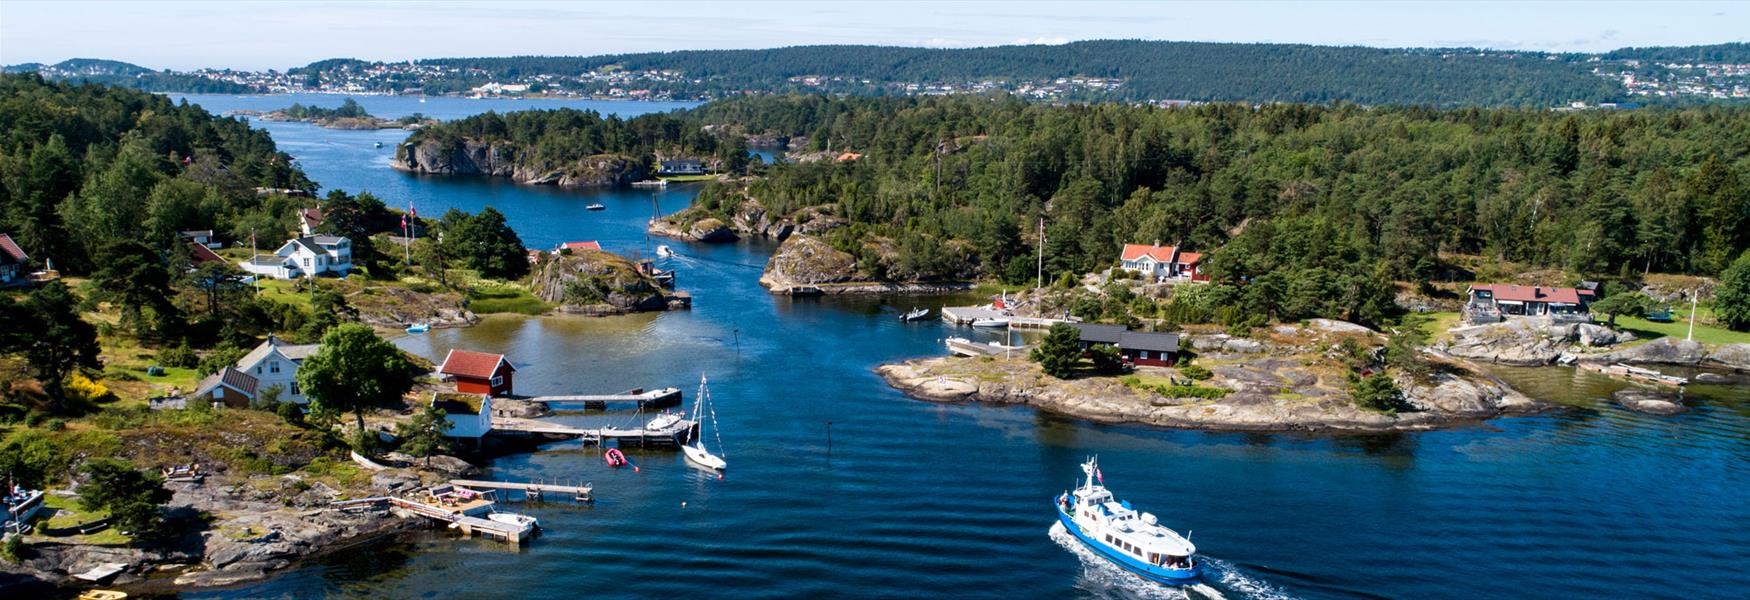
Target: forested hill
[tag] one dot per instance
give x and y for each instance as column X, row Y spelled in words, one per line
column 1150, row 70
column 85, row 169
column 117, row 73
column 1736, row 53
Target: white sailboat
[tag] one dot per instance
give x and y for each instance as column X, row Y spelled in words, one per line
column 695, row 448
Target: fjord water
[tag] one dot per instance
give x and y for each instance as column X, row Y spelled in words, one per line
column 839, row 486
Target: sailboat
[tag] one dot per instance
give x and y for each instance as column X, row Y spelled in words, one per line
column 695, row 448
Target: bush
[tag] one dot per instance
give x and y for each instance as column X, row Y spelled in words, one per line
column 13, row 549
column 132, row 497
column 1106, row 359
column 220, row 358
column 84, row 388
column 179, row 356
column 1377, row 392
column 1059, row 352
column 1196, row 372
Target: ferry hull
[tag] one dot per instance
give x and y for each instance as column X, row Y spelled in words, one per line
column 1141, row 569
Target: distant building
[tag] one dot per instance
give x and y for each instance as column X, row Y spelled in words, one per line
column 478, row 372
column 1137, row 347
column 273, row 363
column 681, row 166
column 202, row 255
column 1489, row 303
column 1162, row 263
column 203, row 237
column 304, row 257
column 13, row 261
column 470, row 415
column 575, row 246
column 309, row 219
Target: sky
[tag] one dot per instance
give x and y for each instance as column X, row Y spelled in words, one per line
column 278, row 35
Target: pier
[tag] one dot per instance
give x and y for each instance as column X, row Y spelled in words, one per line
column 966, row 347
column 966, row 315
column 467, row 524
column 582, row 493
column 653, row 398
column 669, row 436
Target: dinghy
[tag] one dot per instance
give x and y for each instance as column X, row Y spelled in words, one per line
column 419, row 328
column 614, row 457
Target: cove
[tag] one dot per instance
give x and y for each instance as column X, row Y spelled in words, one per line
column 914, row 499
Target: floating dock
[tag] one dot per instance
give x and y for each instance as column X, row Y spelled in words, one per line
column 670, row 436
column 966, row 315
column 654, row 398
column 1633, row 373
column 582, row 493
column 467, row 511
column 966, row 347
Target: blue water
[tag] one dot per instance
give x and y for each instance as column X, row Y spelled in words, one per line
column 913, row 499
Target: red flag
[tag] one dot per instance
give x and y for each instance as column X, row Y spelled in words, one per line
column 404, row 222
column 413, row 211
column 1100, row 476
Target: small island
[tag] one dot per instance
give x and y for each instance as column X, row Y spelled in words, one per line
column 349, row 115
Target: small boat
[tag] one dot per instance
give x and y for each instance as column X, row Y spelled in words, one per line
column 696, row 451
column 1134, row 541
column 665, row 251
column 419, row 328
column 614, row 457
column 991, row 323
column 663, row 422
column 377, row 145
column 915, row 314
column 597, row 206
column 103, row 595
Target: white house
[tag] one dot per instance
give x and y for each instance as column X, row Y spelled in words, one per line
column 470, row 415
column 273, row 363
column 1162, row 263
column 304, row 257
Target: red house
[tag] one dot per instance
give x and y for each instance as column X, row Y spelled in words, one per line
column 478, row 372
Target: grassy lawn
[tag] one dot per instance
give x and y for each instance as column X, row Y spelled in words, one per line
column 68, row 515
column 505, row 298
column 1679, row 328
column 281, row 290
column 1435, row 324
column 687, row 178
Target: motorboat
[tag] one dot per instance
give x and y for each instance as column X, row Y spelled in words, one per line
column 419, row 328
column 1132, row 540
column 991, row 323
column 695, row 448
column 915, row 314
column 377, row 145
column 596, row 206
column 663, row 422
column 664, row 251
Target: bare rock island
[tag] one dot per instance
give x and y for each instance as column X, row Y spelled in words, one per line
column 595, row 282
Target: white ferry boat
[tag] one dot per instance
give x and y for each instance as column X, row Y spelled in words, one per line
column 1135, row 541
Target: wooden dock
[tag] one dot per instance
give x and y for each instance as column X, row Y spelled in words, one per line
column 582, row 493
column 966, row 315
column 966, row 347
column 653, row 398
column 633, row 437
column 468, row 525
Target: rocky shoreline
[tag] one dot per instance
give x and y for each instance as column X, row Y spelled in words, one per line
column 494, row 159
column 1270, row 394
column 1535, row 342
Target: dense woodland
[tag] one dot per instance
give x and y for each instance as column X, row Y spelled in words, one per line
column 117, row 73
column 1151, row 70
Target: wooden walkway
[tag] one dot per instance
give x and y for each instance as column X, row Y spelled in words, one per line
column 641, row 437
column 966, row 347
column 468, row 525
column 965, row 315
column 653, row 398
column 580, row 492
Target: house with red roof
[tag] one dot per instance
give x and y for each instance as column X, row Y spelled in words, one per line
column 1493, row 302
column 575, row 246
column 1162, row 263
column 478, row 372
column 12, row 261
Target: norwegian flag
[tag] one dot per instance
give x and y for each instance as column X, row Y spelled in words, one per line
column 1100, row 476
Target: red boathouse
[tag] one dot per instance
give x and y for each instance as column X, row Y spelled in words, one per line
column 478, row 372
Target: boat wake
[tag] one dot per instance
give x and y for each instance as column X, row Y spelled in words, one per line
column 1106, row 580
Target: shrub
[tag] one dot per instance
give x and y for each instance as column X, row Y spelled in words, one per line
column 84, row 388
column 179, row 356
column 1059, row 352
column 132, row 497
column 1377, row 392
column 220, row 358
column 1196, row 372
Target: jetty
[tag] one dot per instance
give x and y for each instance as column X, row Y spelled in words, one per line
column 966, row 347
column 966, row 315
column 1634, row 373
column 467, row 511
column 581, row 493
column 654, row 398
column 639, row 436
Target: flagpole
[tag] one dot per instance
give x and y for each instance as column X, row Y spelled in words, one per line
column 256, row 280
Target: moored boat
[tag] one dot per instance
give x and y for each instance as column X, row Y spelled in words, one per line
column 695, row 450
column 596, row 207
column 915, row 314
column 419, row 328
column 614, row 457
column 991, row 323
column 1118, row 533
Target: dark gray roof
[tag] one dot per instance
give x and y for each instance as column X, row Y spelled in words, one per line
column 1155, row 342
column 1095, row 333
column 231, row 378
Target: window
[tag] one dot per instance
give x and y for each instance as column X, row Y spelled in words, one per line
column 1145, row 355
column 218, row 392
column 497, row 381
column 306, row 261
column 273, row 367
column 295, row 391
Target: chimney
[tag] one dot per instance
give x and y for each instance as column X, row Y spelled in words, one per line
column 1157, row 243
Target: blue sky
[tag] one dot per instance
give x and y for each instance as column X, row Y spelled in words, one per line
column 260, row 35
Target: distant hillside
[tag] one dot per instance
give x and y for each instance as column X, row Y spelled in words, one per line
column 117, row 73
column 1151, row 70
column 1737, row 53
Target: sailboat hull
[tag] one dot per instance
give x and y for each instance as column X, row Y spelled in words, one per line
column 699, row 456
